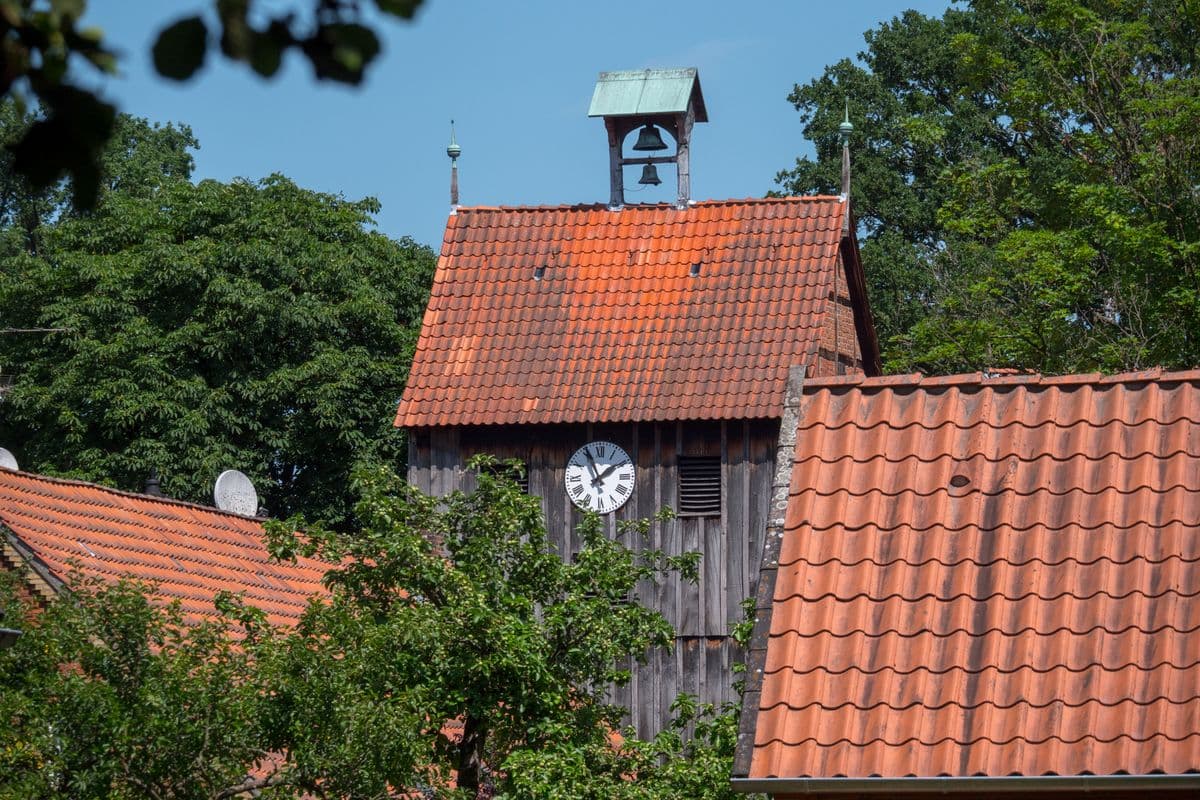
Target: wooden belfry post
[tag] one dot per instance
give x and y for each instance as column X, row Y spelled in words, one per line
column 669, row 99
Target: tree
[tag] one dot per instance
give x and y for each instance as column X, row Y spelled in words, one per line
column 456, row 657
column 41, row 40
column 188, row 329
column 1023, row 177
column 457, row 609
column 107, row 696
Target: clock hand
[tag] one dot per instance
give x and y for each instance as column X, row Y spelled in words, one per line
column 604, row 474
column 591, row 464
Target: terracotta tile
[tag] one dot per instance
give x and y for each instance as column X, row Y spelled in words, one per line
column 190, row 552
column 617, row 293
column 1042, row 618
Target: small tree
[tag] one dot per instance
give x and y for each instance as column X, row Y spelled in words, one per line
column 462, row 638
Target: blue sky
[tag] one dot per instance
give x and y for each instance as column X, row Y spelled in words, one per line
column 517, row 78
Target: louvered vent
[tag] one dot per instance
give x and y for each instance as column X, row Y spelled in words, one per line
column 700, row 485
column 506, row 469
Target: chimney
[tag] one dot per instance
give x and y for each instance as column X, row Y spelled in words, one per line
column 649, row 100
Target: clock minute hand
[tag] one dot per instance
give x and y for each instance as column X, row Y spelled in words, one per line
column 604, row 474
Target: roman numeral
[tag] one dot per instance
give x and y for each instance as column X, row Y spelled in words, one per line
column 578, row 490
column 622, row 489
column 576, row 478
column 601, row 451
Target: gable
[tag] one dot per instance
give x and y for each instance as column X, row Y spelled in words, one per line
column 647, row 313
column 985, row 577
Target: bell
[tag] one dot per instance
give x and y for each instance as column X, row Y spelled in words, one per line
column 649, row 139
column 650, row 176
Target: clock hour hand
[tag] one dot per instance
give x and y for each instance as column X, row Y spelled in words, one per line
column 591, row 465
column 604, row 474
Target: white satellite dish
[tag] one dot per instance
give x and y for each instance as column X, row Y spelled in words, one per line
column 8, row 460
column 233, row 492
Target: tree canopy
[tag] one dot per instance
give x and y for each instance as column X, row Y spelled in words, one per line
column 1025, row 175
column 189, row 328
column 457, row 656
column 41, row 41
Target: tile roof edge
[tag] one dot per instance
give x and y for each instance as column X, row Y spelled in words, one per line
column 599, row 206
column 134, row 495
column 774, row 529
column 41, row 578
column 401, row 421
column 1156, row 375
column 897, row 786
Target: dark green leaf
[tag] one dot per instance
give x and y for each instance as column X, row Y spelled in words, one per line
column 404, row 9
column 181, row 48
column 266, row 53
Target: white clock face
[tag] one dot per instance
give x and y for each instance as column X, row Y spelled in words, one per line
column 599, row 477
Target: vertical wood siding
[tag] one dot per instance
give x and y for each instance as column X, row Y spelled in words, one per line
column 730, row 543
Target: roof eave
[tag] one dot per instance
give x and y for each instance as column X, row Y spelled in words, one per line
column 864, row 321
column 41, row 578
column 955, row 785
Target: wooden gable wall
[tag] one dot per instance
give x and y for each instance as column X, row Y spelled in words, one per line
column 731, row 543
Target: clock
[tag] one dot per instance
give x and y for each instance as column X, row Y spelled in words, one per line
column 599, row 477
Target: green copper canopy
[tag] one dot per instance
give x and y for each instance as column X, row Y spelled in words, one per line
column 644, row 92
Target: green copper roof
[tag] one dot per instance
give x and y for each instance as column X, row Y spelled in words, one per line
column 647, row 91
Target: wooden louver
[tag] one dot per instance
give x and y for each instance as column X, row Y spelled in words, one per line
column 507, row 470
column 700, row 485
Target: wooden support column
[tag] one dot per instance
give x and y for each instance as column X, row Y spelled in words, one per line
column 683, row 143
column 616, row 174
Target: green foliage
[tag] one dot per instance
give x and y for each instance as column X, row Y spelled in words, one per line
column 1025, row 177
column 39, row 41
column 456, row 657
column 109, row 696
column 195, row 328
column 458, row 610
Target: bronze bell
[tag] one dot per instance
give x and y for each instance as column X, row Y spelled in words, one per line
column 649, row 139
column 650, row 176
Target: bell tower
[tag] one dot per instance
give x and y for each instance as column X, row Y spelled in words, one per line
column 652, row 100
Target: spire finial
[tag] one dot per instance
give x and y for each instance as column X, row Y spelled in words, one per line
column 846, row 128
column 454, row 151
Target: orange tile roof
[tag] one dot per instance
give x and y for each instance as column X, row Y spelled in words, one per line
column 988, row 577
column 616, row 329
column 190, row 551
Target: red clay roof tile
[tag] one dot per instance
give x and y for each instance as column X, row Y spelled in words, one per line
column 616, row 329
column 988, row 576
column 190, row 552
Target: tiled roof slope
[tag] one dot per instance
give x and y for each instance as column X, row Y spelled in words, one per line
column 191, row 552
column 988, row 577
column 616, row 329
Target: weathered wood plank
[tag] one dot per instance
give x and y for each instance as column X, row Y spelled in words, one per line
column 713, row 565
column 716, row 655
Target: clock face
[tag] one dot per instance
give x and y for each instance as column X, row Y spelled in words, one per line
column 599, row 477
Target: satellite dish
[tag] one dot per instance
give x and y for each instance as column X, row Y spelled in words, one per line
column 235, row 493
column 8, row 460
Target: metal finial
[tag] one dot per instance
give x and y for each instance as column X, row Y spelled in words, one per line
column 454, row 151
column 845, row 129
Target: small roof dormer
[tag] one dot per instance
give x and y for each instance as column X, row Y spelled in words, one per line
column 649, row 99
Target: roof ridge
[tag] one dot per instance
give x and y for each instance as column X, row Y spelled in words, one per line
column 123, row 493
column 917, row 379
column 600, row 206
